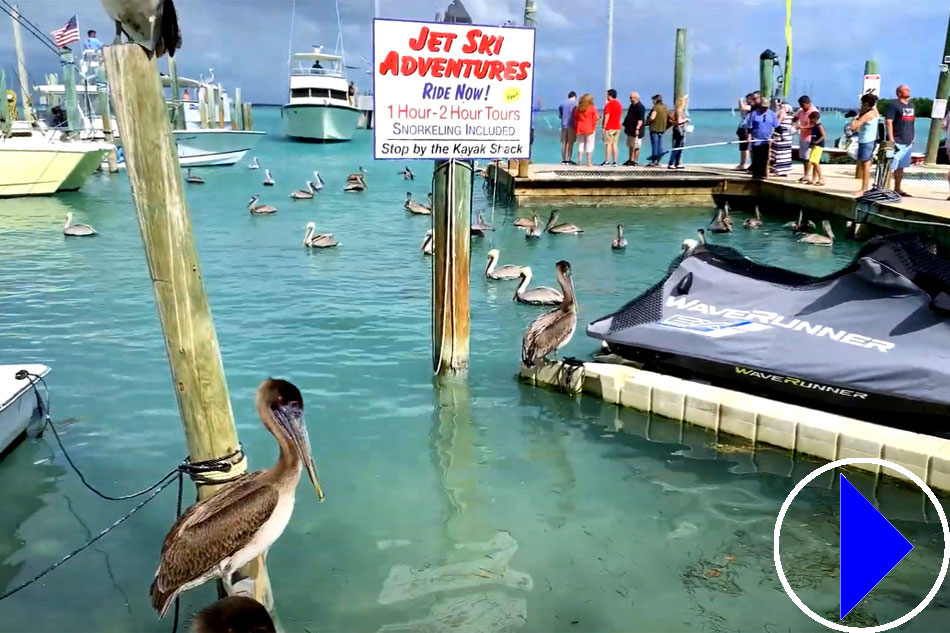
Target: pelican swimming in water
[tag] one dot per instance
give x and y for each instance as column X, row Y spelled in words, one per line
column 195, row 180
column 355, row 186
column 259, row 209
column 563, row 228
column 220, row 534
column 727, row 215
column 359, row 175
column 820, row 240
column 407, row 174
column 311, row 239
column 317, row 181
column 254, row 164
column 493, row 271
column 268, row 180
column 753, row 223
column 427, row 244
column 719, row 223
column 152, row 24
column 534, row 233
column 539, row 296
column 802, row 225
column 77, row 230
column 233, row 614
column 480, row 224
column 620, row 242
column 690, row 246
column 552, row 331
column 414, row 207
column 304, row 194
column 526, row 223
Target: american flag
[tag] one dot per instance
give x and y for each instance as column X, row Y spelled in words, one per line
column 69, row 34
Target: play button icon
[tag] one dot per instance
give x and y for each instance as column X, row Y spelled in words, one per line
column 870, row 546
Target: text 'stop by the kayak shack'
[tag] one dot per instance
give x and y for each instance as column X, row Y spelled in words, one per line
column 452, row 90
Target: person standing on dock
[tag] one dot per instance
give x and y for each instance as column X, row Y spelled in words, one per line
column 865, row 124
column 613, row 112
column 742, row 132
column 659, row 121
column 817, row 141
column 678, row 121
column 633, row 128
column 899, row 119
column 585, row 124
column 762, row 122
column 802, row 122
column 568, row 133
column 782, row 141
column 92, row 42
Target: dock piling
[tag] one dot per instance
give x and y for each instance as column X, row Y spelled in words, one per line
column 69, row 84
column 530, row 21
column 178, row 113
column 220, row 106
column 105, row 111
column 679, row 69
column 203, row 106
column 451, row 216
column 943, row 91
column 237, row 116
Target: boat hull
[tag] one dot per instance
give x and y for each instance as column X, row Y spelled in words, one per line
column 34, row 171
column 215, row 147
column 320, row 123
column 86, row 167
column 18, row 402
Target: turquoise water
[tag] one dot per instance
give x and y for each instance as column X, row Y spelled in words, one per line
column 489, row 499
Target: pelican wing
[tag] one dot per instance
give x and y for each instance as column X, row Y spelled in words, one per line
column 549, row 332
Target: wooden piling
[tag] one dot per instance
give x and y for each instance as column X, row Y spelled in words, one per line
column 105, row 111
column 237, row 116
column 26, row 101
column 943, row 91
column 679, row 67
column 248, row 116
column 203, row 106
column 157, row 190
column 178, row 109
column 451, row 216
column 220, row 107
column 766, row 77
column 69, row 84
column 530, row 21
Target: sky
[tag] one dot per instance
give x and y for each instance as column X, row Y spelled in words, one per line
column 247, row 42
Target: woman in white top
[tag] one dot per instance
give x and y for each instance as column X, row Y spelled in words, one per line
column 865, row 124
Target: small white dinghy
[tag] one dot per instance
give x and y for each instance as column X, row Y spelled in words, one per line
column 18, row 402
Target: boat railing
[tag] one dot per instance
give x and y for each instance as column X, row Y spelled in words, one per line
column 316, row 72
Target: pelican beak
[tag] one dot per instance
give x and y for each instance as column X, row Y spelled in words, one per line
column 290, row 417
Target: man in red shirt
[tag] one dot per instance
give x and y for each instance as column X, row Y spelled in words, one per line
column 613, row 113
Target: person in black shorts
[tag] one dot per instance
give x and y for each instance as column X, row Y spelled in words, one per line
column 742, row 132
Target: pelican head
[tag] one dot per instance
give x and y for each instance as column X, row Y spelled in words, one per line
column 408, row 196
column 310, row 228
column 253, row 200
column 826, row 225
column 493, row 254
column 284, row 402
column 563, row 268
column 701, row 235
column 310, row 185
column 69, row 218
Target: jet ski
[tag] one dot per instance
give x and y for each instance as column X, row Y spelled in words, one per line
column 870, row 341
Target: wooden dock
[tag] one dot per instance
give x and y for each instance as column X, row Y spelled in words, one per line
column 705, row 185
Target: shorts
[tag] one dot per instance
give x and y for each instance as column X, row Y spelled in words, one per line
column 611, row 136
column 633, row 142
column 743, row 134
column 814, row 156
column 568, row 135
column 585, row 143
column 901, row 157
column 865, row 151
column 803, row 150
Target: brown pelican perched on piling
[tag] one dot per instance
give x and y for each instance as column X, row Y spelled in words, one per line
column 233, row 614
column 304, row 194
column 427, row 244
column 152, row 24
column 259, row 209
column 562, row 228
column 312, row 239
column 690, row 246
column 254, row 164
column 195, row 180
column 77, row 230
column 620, row 242
column 415, row 207
column 493, row 271
column 820, row 240
column 222, row 533
column 481, row 225
column 753, row 223
column 539, row 296
column 552, row 331
column 407, row 174
column 268, row 179
column 526, row 223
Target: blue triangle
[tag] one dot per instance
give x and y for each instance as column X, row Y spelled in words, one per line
column 870, row 547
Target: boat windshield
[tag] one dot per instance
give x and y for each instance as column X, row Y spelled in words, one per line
column 318, row 67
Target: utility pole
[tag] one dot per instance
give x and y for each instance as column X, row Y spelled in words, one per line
column 943, row 91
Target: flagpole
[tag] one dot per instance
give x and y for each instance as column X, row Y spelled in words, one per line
column 610, row 43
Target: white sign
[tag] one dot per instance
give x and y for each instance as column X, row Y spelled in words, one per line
column 452, row 90
column 872, row 85
column 939, row 109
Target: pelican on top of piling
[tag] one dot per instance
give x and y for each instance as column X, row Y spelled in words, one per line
column 152, row 24
column 552, row 330
column 220, row 534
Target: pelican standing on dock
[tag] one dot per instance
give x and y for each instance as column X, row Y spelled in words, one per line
column 553, row 330
column 753, row 223
column 414, row 207
column 259, row 209
column 219, row 535
column 311, row 239
column 820, row 240
column 152, row 24
column 268, row 180
column 77, row 230
column 254, row 164
column 304, row 194
column 427, row 244
column 407, row 174
column 499, row 273
column 480, row 224
column 539, row 296
column 620, row 242
column 564, row 228
column 195, row 180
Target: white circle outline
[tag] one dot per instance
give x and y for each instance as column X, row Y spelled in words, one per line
column 887, row 625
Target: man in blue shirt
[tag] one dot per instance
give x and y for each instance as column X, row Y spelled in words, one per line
column 92, row 43
column 762, row 122
column 568, row 133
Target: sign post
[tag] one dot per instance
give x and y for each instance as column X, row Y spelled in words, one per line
column 452, row 93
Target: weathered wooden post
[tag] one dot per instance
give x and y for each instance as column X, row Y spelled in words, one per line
column 26, row 101
column 105, row 111
column 203, row 106
column 69, row 84
column 237, row 118
column 220, row 106
column 178, row 113
column 165, row 224
column 679, row 67
column 451, row 216
column 943, row 91
column 248, row 116
column 766, row 75
column 530, row 21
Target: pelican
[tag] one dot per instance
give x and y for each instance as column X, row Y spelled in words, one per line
column 726, row 215
column 152, row 24
column 690, row 246
column 476, row 232
column 414, row 207
column 268, row 180
column 304, row 194
column 77, row 230
column 508, row 271
column 427, row 244
column 526, row 223
column 820, row 240
column 552, row 331
column 356, row 185
column 620, row 242
column 259, row 209
column 233, row 613
column 564, row 227
column 480, row 224
column 407, row 174
column 317, row 181
column 479, row 170
column 540, row 296
column 318, row 240
column 802, row 226
column 719, row 223
column 534, row 233
column 360, row 175
column 225, row 532
column 195, row 180
column 753, row 223
column 254, row 164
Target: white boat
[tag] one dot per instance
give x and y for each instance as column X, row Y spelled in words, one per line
column 19, row 405
column 319, row 108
